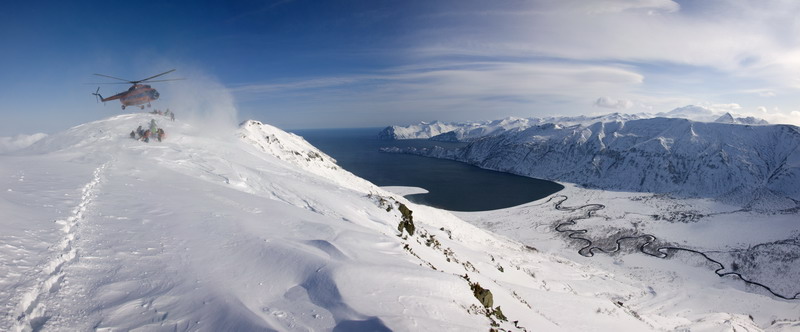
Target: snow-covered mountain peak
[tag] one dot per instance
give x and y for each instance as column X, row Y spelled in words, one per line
column 725, row 118
column 299, row 153
column 282, row 144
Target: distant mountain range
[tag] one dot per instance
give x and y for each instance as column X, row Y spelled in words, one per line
column 740, row 160
column 466, row 131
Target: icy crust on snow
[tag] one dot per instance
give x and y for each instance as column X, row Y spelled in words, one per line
column 258, row 230
column 755, row 166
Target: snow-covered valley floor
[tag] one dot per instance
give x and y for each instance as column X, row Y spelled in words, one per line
column 258, row 230
column 762, row 247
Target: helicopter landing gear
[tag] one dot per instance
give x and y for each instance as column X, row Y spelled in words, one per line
column 142, row 107
column 123, row 107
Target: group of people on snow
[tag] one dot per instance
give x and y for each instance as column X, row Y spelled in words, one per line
column 145, row 134
column 168, row 113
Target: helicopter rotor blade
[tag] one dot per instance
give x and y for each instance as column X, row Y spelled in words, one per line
column 154, row 76
column 108, row 83
column 116, row 78
column 171, row 79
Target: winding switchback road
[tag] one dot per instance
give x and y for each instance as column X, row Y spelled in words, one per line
column 661, row 252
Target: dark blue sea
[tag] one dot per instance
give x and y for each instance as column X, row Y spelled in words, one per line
column 452, row 185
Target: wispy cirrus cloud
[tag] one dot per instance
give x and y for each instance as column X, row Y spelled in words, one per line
column 478, row 60
column 313, row 83
column 467, row 81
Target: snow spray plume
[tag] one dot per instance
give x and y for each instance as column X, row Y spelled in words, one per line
column 203, row 102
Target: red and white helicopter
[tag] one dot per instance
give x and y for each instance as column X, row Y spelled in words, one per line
column 138, row 94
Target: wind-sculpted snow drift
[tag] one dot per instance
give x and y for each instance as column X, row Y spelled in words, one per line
column 756, row 166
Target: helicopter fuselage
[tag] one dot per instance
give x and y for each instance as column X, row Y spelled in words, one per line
column 138, row 94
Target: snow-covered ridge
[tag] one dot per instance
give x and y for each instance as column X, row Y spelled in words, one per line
column 739, row 163
column 297, row 151
column 258, row 230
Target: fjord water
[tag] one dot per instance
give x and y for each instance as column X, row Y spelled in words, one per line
column 451, row 185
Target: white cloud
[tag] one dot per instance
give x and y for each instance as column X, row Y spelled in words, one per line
column 740, row 38
column 792, row 117
column 761, row 109
column 620, row 104
column 725, row 107
column 767, row 93
column 9, row 144
column 615, row 6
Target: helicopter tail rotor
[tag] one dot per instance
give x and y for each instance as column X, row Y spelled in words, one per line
column 97, row 95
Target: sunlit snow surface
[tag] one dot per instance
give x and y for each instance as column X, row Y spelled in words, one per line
column 258, row 230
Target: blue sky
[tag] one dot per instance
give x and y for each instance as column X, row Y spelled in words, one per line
column 317, row 64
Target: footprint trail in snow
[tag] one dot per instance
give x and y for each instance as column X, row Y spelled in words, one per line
column 31, row 312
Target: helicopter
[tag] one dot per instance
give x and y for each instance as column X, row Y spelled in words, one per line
column 138, row 94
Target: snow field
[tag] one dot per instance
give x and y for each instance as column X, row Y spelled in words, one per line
column 258, row 230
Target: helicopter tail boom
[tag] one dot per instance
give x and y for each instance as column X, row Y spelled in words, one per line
column 101, row 98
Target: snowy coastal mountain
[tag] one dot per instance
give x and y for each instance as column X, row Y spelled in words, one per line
column 750, row 165
column 729, row 118
column 468, row 131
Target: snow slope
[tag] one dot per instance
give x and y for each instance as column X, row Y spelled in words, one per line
column 258, row 230
column 754, row 166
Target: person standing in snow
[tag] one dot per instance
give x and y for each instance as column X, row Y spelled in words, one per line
column 160, row 134
column 153, row 127
column 133, row 134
